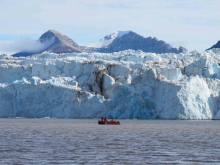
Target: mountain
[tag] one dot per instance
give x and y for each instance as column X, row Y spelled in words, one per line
column 54, row 41
column 107, row 40
column 61, row 44
column 217, row 45
column 123, row 40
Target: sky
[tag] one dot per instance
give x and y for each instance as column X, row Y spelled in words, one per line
column 193, row 24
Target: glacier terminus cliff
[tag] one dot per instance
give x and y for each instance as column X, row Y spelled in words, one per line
column 126, row 84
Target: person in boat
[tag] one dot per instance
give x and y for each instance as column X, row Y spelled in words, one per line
column 106, row 119
column 113, row 120
column 102, row 118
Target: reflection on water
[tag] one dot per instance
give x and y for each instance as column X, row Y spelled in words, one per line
column 75, row 141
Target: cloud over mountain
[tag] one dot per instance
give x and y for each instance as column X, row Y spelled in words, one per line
column 24, row 45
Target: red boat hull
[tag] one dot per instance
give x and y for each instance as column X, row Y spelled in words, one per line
column 109, row 122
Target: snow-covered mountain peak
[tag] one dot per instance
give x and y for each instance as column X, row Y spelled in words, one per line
column 107, row 40
column 115, row 35
column 111, row 36
column 123, row 40
column 121, row 33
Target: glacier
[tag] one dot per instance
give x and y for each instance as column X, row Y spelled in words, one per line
column 127, row 84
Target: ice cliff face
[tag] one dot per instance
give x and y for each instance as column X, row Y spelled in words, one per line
column 127, row 84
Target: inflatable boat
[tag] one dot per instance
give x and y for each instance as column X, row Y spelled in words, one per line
column 109, row 122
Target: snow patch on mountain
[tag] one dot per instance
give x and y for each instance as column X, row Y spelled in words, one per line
column 121, row 33
column 107, row 40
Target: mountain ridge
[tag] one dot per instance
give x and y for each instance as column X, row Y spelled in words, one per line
column 61, row 44
column 132, row 40
column 118, row 41
column 217, row 45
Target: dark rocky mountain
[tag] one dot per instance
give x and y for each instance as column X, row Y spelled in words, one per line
column 217, row 45
column 135, row 41
column 61, row 44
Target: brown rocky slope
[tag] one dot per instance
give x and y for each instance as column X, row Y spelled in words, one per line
column 61, row 44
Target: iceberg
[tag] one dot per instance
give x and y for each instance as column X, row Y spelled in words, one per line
column 127, row 84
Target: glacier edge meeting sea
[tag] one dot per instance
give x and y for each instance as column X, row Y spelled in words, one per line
column 127, row 84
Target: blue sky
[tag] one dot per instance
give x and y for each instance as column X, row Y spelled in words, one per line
column 194, row 24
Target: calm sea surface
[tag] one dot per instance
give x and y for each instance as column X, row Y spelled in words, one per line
column 83, row 141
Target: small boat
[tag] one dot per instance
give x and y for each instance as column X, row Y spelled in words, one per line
column 109, row 122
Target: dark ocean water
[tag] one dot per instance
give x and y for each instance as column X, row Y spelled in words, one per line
column 83, row 141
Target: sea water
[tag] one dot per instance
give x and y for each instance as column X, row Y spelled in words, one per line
column 83, row 141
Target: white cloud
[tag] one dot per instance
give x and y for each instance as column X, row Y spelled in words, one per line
column 25, row 45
